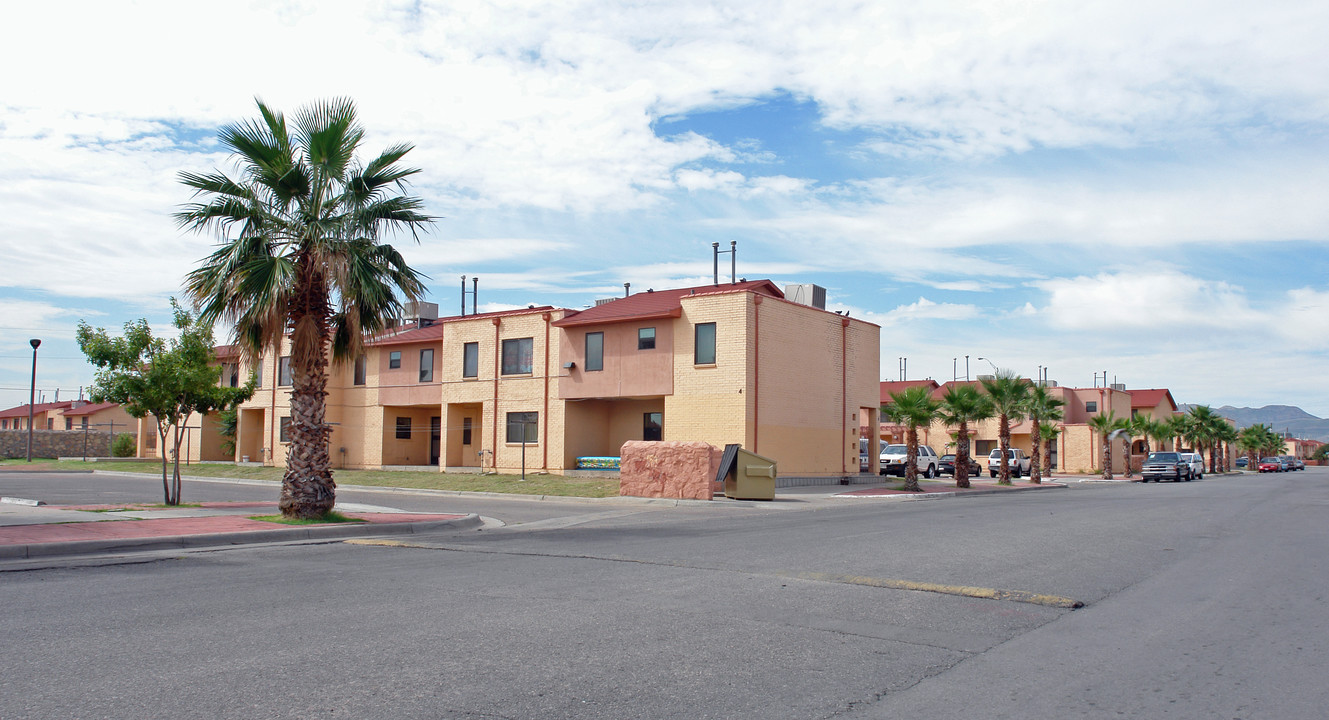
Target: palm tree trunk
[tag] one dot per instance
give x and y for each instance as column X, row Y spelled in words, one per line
column 1107, row 458
column 1004, row 443
column 308, row 490
column 1036, row 462
column 962, row 456
column 911, row 460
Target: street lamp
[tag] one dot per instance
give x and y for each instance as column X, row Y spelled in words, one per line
column 994, row 365
column 32, row 394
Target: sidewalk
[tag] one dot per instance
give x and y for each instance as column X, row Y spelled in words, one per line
column 945, row 487
column 29, row 530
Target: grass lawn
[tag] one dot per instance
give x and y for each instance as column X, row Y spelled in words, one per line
column 533, row 485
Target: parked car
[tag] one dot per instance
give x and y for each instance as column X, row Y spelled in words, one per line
column 1271, row 464
column 1196, row 461
column 893, row 458
column 946, row 466
column 1292, row 462
column 1242, row 462
column 1020, row 462
column 863, row 464
column 1160, row 466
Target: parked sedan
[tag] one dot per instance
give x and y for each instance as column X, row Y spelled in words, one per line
column 1292, row 462
column 946, row 466
column 1271, row 464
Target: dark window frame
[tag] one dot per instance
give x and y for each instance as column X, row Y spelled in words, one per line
column 360, row 374
column 284, row 371
column 698, row 357
column 470, row 360
column 529, row 421
column 652, row 424
column 644, row 342
column 427, row 371
column 515, row 352
column 394, row 359
column 404, row 428
column 1091, row 406
column 465, row 431
column 595, row 361
column 284, row 429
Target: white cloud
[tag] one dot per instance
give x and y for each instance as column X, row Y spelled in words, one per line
column 1157, row 299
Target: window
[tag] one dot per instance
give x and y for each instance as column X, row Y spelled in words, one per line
column 284, row 371
column 403, row 428
column 705, row 344
column 653, row 428
column 646, row 338
column 523, row 426
column 85, row 421
column 284, row 429
column 50, row 423
column 1091, row 406
column 394, row 359
column 361, row 370
column 427, row 365
column 595, row 351
column 517, row 356
column 470, row 360
column 465, row 431
column 258, row 373
column 235, row 374
column 69, row 423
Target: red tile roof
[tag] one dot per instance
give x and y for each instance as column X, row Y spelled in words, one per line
column 435, row 331
column 1152, row 398
column 223, row 352
column 22, row 410
column 895, row 386
column 654, row 304
column 89, row 409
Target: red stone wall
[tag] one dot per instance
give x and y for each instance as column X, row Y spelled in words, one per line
column 684, row 470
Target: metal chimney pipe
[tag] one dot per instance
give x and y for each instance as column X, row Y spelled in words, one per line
column 715, row 257
column 475, row 295
column 733, row 261
column 463, row 296
column 627, row 289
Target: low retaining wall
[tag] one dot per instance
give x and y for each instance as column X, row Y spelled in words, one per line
column 54, row 443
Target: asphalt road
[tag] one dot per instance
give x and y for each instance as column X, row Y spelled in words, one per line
column 1202, row 600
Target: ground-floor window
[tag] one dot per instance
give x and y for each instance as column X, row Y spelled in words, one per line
column 284, row 429
column 403, row 428
column 523, row 426
column 983, row 448
column 653, row 428
column 465, row 431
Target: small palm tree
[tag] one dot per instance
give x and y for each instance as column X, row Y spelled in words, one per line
column 1040, row 406
column 1225, row 434
column 1156, row 430
column 1179, row 428
column 1048, row 431
column 1252, row 441
column 961, row 405
column 912, row 407
column 299, row 253
column 1007, row 391
column 1105, row 424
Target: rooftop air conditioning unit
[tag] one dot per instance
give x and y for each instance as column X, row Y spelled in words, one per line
column 1118, row 386
column 603, row 301
column 420, row 311
column 806, row 294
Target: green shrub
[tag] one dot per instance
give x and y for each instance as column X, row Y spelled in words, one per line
column 124, row 445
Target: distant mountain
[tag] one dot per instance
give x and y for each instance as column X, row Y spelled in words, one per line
column 1282, row 418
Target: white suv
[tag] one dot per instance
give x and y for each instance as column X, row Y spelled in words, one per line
column 893, row 457
column 1019, row 462
column 1196, row 461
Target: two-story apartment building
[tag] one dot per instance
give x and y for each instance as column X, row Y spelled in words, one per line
column 542, row 387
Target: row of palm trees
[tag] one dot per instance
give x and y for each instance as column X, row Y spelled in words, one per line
column 1005, row 396
column 1011, row 398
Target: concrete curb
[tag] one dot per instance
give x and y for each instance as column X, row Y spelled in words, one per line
column 293, row 533
column 950, row 493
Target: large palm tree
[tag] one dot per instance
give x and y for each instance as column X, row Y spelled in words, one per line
column 1007, row 392
column 1225, row 434
column 1204, row 424
column 1152, row 429
column 1106, row 425
column 912, row 407
column 1041, row 406
column 300, row 253
column 1179, row 427
column 1252, row 441
column 961, row 405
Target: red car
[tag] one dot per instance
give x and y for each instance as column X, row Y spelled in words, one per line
column 1271, row 464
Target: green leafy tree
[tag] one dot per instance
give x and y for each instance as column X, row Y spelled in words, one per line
column 961, row 405
column 169, row 381
column 1320, row 454
column 1041, row 406
column 228, row 427
column 1007, row 392
column 300, row 251
column 912, row 407
column 1107, row 425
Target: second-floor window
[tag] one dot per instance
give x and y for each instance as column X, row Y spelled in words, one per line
column 258, row 373
column 284, row 371
column 427, row 365
column 1091, row 406
column 470, row 360
column 646, row 338
column 705, row 344
column 517, row 356
column 595, row 351
column 361, row 370
column 394, row 359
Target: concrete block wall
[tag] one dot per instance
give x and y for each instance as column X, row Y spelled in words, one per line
column 54, row 443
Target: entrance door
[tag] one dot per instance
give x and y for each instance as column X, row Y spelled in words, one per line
column 435, row 438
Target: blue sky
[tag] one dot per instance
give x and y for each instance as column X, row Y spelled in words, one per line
column 1129, row 187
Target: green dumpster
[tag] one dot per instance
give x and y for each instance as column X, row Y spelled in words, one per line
column 746, row 475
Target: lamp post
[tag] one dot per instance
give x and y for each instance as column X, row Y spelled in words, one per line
column 989, row 361
column 32, row 393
